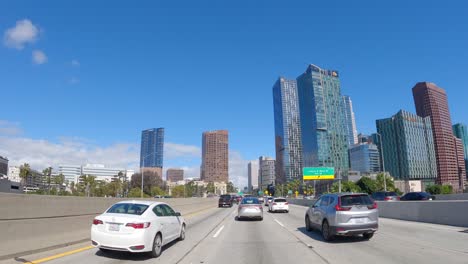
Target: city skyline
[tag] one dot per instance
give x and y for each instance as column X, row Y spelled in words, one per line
column 101, row 103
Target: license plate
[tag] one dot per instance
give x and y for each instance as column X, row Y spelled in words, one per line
column 359, row 220
column 114, row 227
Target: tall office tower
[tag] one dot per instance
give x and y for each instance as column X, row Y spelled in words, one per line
column 174, row 175
column 350, row 121
column 152, row 151
column 252, row 170
column 3, row 167
column 431, row 100
column 365, row 158
column 408, row 147
column 287, row 131
column 461, row 132
column 215, row 158
column 267, row 171
column 459, row 152
column 323, row 121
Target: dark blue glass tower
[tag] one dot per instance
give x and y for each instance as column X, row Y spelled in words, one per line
column 152, row 147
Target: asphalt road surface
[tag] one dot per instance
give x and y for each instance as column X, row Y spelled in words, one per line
column 215, row 237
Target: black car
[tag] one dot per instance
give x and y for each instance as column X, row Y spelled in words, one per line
column 417, row 196
column 225, row 200
column 385, row 196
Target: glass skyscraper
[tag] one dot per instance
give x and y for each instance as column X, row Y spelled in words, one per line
column 364, row 157
column 287, row 131
column 323, row 121
column 350, row 121
column 408, row 147
column 152, row 147
column 461, row 131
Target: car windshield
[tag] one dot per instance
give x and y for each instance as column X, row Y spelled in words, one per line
column 128, row 208
column 250, row 200
column 350, row 200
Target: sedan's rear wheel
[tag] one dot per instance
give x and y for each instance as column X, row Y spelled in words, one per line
column 157, row 246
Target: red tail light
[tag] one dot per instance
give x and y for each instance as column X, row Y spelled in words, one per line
column 373, row 206
column 139, row 225
column 286, row 203
column 398, row 198
column 339, row 208
column 274, row 203
column 97, row 222
column 388, row 198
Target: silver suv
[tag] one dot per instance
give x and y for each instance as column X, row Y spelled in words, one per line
column 344, row 214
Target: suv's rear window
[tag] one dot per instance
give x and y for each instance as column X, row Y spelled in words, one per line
column 225, row 197
column 250, row 200
column 128, row 208
column 280, row 200
column 349, row 200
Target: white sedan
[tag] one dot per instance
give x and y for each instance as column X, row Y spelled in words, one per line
column 278, row 204
column 137, row 226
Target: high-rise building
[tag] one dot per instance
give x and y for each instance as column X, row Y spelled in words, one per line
column 215, row 157
column 461, row 131
column 3, row 167
column 459, row 152
column 350, row 121
column 152, row 148
column 252, row 170
column 323, row 121
column 175, row 175
column 431, row 100
column 266, row 171
column 365, row 158
column 287, row 131
column 71, row 173
column 408, row 147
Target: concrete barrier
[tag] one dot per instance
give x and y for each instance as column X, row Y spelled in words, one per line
column 453, row 213
column 451, row 197
column 33, row 223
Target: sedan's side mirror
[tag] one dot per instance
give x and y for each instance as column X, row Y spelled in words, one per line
column 177, row 214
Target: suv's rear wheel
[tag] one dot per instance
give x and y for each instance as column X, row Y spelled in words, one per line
column 307, row 223
column 326, row 231
column 368, row 235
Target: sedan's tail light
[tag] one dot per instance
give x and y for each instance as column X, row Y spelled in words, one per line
column 139, row 225
column 388, row 198
column 274, row 203
column 373, row 206
column 97, row 222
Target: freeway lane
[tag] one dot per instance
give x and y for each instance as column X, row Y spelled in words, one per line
column 215, row 236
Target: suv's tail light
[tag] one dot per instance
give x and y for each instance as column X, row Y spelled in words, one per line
column 387, row 198
column 139, row 225
column 339, row 208
column 286, row 203
column 373, row 206
column 97, row 222
column 274, row 204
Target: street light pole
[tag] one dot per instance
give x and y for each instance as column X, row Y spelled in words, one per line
column 383, row 161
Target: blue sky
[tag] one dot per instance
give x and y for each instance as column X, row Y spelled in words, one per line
column 192, row 66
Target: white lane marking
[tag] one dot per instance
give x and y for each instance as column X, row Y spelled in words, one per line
column 218, row 232
column 279, row 223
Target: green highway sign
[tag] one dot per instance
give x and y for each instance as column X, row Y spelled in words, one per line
column 318, row 173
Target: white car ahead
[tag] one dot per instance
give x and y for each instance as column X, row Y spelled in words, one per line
column 137, row 226
column 278, row 204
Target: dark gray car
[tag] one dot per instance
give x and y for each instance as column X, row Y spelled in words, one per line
column 343, row 214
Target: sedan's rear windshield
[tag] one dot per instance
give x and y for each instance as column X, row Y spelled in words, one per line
column 391, row 194
column 280, row 200
column 250, row 200
column 128, row 208
column 349, row 200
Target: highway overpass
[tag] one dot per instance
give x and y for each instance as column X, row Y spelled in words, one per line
column 215, row 236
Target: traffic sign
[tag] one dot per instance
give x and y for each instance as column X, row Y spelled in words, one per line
column 319, row 173
column 290, row 192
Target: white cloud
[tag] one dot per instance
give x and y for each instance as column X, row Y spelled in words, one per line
column 39, row 57
column 75, row 63
column 24, row 32
column 8, row 128
column 237, row 169
column 173, row 150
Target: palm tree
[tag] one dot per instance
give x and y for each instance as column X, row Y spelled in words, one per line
column 25, row 171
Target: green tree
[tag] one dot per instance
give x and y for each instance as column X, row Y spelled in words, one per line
column 447, row 189
column 134, row 192
column 25, row 171
column 157, row 191
column 53, row 191
column 434, row 189
column 59, row 180
column 380, row 185
column 178, row 191
column 367, row 185
column 346, row 186
column 210, row 188
column 230, row 188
